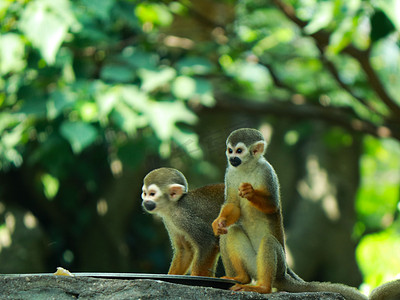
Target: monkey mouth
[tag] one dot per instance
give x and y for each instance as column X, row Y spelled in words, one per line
column 235, row 161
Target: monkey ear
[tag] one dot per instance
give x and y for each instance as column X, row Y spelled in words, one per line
column 175, row 191
column 258, row 148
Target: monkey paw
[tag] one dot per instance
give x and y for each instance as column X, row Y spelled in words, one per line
column 246, row 190
column 219, row 226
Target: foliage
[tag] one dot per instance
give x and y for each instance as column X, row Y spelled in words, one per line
column 93, row 88
column 378, row 207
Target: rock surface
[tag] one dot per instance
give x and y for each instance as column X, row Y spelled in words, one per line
column 64, row 287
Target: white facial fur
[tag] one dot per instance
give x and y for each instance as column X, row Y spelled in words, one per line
column 240, row 154
column 152, row 192
column 152, row 198
column 240, row 150
column 155, row 200
column 237, row 151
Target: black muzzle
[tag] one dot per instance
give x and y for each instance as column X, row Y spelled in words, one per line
column 235, row 161
column 149, row 205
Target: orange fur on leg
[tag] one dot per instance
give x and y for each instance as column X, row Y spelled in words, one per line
column 182, row 257
column 206, row 266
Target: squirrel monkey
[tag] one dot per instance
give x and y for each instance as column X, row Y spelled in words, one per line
column 187, row 216
column 250, row 223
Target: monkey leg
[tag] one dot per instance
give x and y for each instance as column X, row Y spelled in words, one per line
column 270, row 261
column 205, row 260
column 183, row 256
column 238, row 256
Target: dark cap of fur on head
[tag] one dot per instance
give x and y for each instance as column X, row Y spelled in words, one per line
column 248, row 136
column 165, row 176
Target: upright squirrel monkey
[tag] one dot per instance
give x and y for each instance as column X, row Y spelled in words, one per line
column 250, row 223
column 187, row 217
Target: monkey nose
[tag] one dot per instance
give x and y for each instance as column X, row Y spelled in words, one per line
column 149, row 205
column 235, row 161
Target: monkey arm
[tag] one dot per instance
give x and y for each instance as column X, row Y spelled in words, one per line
column 229, row 215
column 260, row 199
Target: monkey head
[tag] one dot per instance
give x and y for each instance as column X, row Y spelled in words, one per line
column 244, row 145
column 161, row 188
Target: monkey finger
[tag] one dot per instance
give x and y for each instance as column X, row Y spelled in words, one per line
column 246, row 194
column 222, row 223
column 245, row 185
column 222, row 231
column 237, row 287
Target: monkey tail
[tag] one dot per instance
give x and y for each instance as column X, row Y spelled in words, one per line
column 293, row 275
column 293, row 285
column 387, row 291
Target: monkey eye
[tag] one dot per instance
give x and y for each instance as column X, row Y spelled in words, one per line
column 239, row 150
column 230, row 150
column 152, row 194
column 144, row 193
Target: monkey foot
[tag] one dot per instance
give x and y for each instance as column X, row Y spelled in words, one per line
column 251, row 288
column 237, row 278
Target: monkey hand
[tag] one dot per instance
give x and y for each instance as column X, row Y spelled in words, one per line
column 219, row 226
column 246, row 190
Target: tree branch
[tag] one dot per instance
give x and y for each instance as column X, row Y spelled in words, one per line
column 344, row 117
column 322, row 39
column 335, row 73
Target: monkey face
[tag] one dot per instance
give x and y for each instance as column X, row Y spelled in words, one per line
column 156, row 199
column 152, row 197
column 237, row 154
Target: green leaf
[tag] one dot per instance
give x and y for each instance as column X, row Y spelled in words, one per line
column 9, row 140
column 254, row 73
column 101, row 8
column 35, row 107
column 205, row 91
column 322, row 17
column 184, row 87
column 165, row 115
column 117, row 73
column 12, row 52
column 153, row 79
column 59, row 100
column 154, row 13
column 88, row 111
column 46, row 23
column 381, row 26
column 127, row 119
column 80, row 135
column 378, row 193
column 50, row 186
column 106, row 98
column 139, row 59
column 392, row 10
column 194, row 66
column 135, row 98
column 378, row 257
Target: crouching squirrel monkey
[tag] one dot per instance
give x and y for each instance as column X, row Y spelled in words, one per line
column 250, row 223
column 187, row 216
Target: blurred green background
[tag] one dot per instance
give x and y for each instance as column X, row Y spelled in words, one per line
column 95, row 94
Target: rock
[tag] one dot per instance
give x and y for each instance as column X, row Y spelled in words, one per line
column 64, row 287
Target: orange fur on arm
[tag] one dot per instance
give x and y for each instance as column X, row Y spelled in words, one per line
column 229, row 215
column 231, row 212
column 263, row 201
